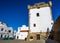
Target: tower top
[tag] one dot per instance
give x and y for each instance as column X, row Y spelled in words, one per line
column 39, row 5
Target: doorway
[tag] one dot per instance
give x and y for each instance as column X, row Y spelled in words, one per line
column 1, row 36
column 38, row 36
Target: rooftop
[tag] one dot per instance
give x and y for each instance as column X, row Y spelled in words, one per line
column 39, row 5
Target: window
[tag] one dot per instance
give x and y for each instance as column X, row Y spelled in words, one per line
column 9, row 31
column 31, row 37
column 37, row 14
column 52, row 23
column 34, row 25
column 1, row 29
column 17, row 37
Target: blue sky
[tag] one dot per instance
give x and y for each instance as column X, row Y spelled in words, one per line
column 15, row 13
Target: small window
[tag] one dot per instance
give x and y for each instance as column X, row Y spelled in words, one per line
column 52, row 23
column 34, row 25
column 9, row 31
column 2, row 29
column 37, row 14
column 31, row 37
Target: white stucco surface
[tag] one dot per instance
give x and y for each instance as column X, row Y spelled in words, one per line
column 22, row 35
column 43, row 21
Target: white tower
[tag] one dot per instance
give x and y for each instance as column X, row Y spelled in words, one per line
column 40, row 17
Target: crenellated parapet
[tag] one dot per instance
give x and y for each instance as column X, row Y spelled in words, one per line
column 39, row 5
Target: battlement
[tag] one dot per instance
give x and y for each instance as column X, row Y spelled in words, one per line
column 39, row 5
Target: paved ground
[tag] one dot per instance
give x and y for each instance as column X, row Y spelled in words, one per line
column 12, row 41
column 20, row 41
column 42, row 40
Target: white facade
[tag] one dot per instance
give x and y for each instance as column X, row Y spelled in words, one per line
column 40, row 19
column 3, row 32
column 22, row 32
column 15, row 34
column 6, row 31
column 11, row 33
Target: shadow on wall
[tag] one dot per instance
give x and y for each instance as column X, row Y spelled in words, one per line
column 54, row 36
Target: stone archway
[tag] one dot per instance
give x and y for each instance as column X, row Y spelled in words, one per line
column 31, row 36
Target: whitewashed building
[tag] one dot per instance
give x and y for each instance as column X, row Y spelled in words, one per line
column 40, row 19
column 22, row 32
column 6, row 31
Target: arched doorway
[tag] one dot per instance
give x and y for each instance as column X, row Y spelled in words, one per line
column 31, row 38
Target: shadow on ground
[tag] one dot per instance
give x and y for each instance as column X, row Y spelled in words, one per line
column 50, row 41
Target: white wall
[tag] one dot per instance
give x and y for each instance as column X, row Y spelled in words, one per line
column 11, row 34
column 24, row 27
column 6, row 31
column 22, row 35
column 42, row 22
